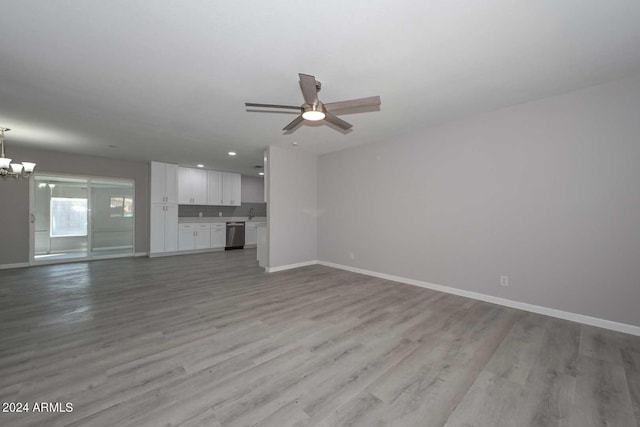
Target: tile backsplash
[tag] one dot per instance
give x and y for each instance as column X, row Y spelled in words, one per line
column 260, row 209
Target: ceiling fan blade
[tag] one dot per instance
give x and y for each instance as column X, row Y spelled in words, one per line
column 294, row 123
column 309, row 89
column 335, row 120
column 371, row 101
column 288, row 107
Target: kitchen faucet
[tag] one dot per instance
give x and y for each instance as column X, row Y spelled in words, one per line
column 252, row 213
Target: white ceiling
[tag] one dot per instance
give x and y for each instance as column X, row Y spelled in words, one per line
column 167, row 80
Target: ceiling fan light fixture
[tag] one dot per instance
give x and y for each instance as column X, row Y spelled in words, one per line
column 313, row 113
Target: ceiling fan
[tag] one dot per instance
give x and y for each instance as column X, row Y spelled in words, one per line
column 314, row 110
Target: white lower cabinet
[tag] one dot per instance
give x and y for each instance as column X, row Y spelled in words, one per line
column 193, row 236
column 218, row 235
column 196, row 236
column 250, row 233
column 186, row 237
column 203, row 236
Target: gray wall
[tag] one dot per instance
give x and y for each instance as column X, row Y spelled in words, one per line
column 14, row 231
column 547, row 193
column 291, row 206
column 252, row 189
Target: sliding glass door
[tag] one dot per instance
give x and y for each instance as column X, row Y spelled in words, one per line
column 61, row 208
column 111, row 217
column 81, row 218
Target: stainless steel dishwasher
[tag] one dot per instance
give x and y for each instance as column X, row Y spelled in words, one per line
column 235, row 235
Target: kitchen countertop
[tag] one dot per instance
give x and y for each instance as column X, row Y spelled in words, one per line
column 188, row 219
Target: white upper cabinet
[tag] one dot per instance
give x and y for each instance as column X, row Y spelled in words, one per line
column 184, row 186
column 164, row 183
column 192, row 186
column 206, row 187
column 231, row 189
column 214, row 196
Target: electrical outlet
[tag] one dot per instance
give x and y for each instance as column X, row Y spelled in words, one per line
column 200, row 214
column 219, row 213
column 504, row 281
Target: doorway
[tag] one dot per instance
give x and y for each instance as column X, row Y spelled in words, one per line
column 78, row 218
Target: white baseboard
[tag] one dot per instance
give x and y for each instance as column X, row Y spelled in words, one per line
column 141, row 254
column 290, row 266
column 190, row 252
column 16, row 265
column 574, row 317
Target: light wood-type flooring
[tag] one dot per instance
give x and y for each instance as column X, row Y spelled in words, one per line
column 211, row 340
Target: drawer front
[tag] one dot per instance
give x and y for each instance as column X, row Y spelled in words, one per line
column 184, row 227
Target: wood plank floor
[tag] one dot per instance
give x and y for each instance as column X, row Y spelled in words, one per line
column 211, row 340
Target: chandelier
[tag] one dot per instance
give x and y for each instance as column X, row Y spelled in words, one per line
column 17, row 170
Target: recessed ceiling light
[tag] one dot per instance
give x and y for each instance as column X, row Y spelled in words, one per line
column 294, row 143
column 232, row 153
column 261, row 173
column 199, row 165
